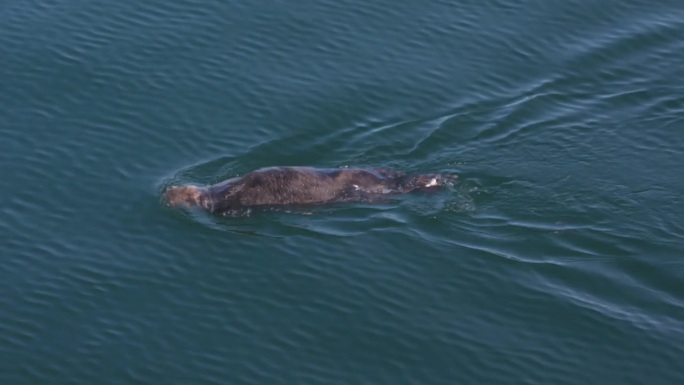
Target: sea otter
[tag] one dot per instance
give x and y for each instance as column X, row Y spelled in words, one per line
column 303, row 186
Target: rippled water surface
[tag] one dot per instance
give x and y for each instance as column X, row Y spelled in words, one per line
column 557, row 259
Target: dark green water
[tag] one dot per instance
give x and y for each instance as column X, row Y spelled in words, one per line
column 556, row 260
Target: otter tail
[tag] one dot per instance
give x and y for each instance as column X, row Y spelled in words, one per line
column 429, row 182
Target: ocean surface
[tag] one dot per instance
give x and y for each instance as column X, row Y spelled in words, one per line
column 558, row 257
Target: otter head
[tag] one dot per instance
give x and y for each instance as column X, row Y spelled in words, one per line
column 184, row 196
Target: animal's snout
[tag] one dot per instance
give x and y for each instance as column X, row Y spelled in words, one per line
column 178, row 196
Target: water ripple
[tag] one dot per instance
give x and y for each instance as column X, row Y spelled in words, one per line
column 554, row 260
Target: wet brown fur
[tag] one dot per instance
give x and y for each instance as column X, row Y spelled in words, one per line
column 282, row 186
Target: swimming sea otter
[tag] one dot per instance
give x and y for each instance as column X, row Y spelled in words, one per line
column 283, row 186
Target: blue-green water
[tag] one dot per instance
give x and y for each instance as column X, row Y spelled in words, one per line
column 558, row 258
